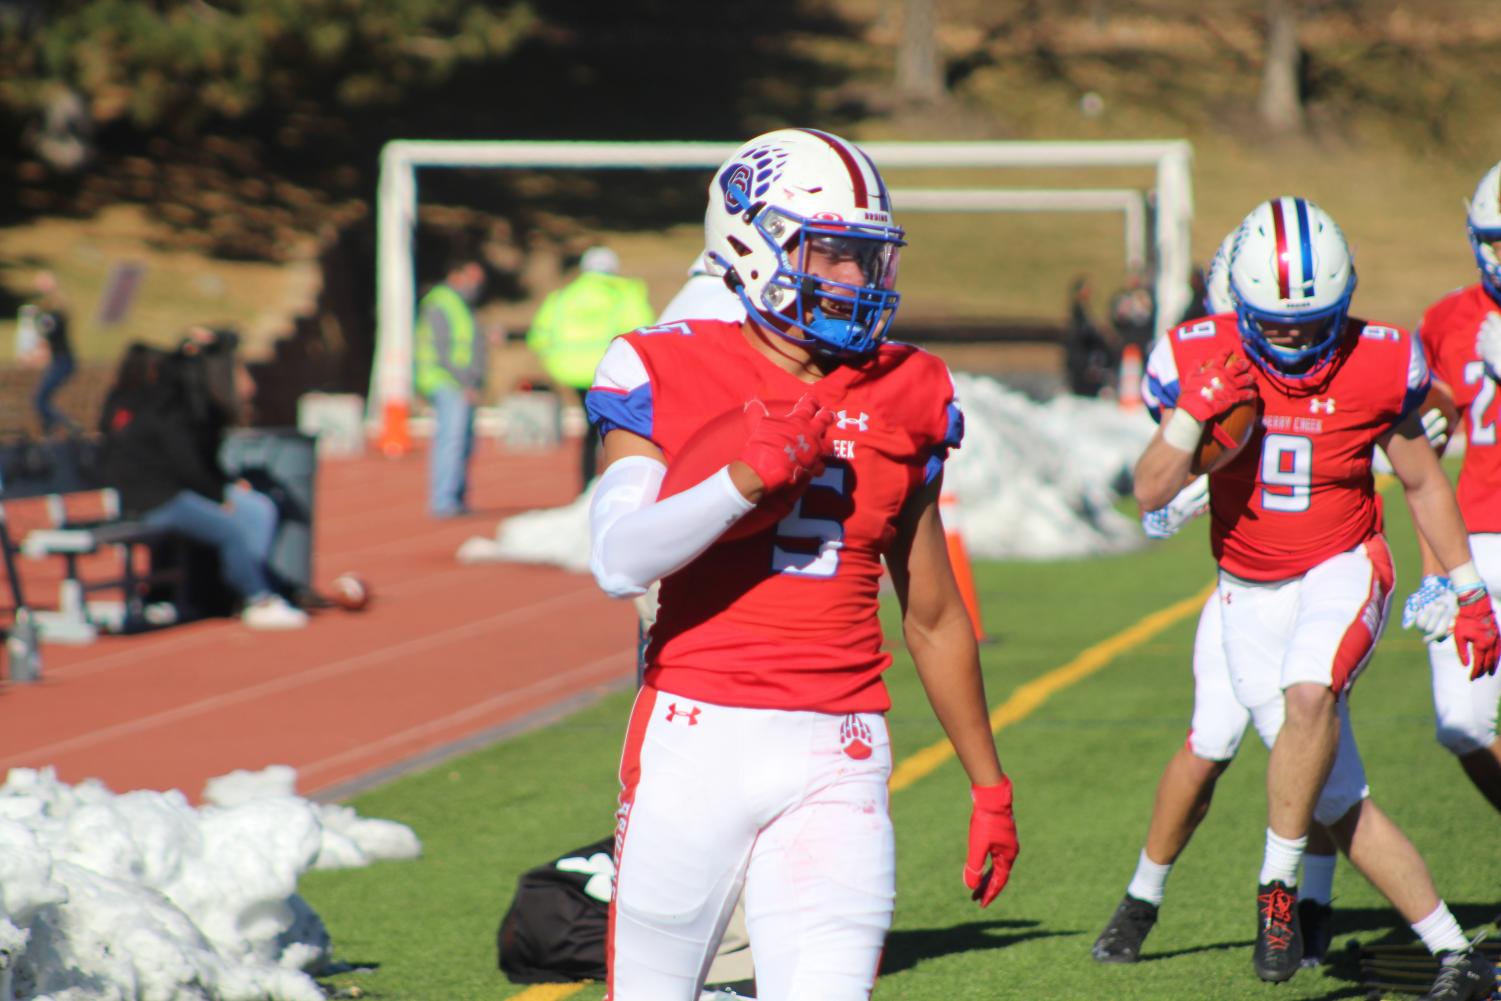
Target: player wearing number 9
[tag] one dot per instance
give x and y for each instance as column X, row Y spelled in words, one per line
column 757, row 753
column 1305, row 574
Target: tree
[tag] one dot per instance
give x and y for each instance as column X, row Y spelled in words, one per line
column 919, row 77
column 1281, row 96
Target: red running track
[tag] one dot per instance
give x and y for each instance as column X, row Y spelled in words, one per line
column 446, row 656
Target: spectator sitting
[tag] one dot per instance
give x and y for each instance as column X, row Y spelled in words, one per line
column 155, row 459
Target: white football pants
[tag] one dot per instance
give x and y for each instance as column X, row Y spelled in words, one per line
column 1464, row 711
column 790, row 804
column 1320, row 628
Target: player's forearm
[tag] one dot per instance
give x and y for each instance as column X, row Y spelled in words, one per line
column 948, row 665
column 1439, row 524
column 637, row 539
column 1430, row 561
column 1160, row 473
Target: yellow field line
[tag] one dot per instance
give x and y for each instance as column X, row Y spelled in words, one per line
column 1023, row 702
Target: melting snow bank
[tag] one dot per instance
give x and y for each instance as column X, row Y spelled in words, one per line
column 142, row 896
column 1033, row 481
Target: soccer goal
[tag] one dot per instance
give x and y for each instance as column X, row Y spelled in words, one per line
column 1156, row 221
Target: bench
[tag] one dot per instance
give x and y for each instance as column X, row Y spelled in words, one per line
column 82, row 519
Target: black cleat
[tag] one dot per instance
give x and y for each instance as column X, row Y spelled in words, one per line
column 1121, row 940
column 1462, row 976
column 1317, row 923
column 1279, row 943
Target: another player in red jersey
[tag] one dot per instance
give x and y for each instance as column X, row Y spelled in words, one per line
column 1305, row 575
column 757, row 751
column 1462, row 336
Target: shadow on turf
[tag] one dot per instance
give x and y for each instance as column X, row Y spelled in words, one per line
column 905, row 949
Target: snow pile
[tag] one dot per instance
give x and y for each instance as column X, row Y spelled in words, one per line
column 1038, row 481
column 137, row 896
column 1033, row 481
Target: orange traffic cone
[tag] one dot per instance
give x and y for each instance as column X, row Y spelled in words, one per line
column 1129, row 392
column 948, row 509
column 395, row 438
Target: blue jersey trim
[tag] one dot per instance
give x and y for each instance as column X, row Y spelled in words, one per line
column 953, row 436
column 1165, row 393
column 611, row 409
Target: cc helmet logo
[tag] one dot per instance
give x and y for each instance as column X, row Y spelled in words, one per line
column 737, row 178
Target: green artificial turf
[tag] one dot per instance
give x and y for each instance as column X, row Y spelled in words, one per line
column 1085, row 764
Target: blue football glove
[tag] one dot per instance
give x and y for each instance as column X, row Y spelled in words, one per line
column 1188, row 504
column 1431, row 608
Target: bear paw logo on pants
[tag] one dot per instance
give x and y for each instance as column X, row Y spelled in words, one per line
column 856, row 737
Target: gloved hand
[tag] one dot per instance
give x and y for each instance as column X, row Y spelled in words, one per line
column 1190, row 502
column 1432, row 608
column 1488, row 344
column 1216, row 387
column 1475, row 632
column 1436, row 429
column 786, row 449
column 992, row 835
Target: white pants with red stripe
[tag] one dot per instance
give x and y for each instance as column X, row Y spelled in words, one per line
column 790, row 805
column 1320, row 628
column 1464, row 711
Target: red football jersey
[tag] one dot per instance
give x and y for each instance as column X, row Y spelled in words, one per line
column 786, row 618
column 1301, row 490
column 1448, row 332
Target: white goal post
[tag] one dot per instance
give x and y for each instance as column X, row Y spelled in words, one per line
column 396, row 214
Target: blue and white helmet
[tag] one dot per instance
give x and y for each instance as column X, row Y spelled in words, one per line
column 1291, row 264
column 1484, row 224
column 769, row 201
column 1217, row 297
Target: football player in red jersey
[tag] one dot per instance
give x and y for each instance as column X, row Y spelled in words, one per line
column 1461, row 334
column 1186, row 786
column 757, row 752
column 1305, row 576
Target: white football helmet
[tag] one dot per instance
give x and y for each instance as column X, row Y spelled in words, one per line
column 1290, row 264
column 769, row 201
column 1217, row 297
column 1484, row 218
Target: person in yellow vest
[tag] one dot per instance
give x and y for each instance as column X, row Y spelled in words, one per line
column 450, row 361
column 577, row 322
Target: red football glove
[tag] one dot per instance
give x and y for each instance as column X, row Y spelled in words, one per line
column 787, row 449
column 1475, row 632
column 1216, row 387
column 992, row 834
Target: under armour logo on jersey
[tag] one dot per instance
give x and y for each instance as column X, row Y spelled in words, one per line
column 691, row 715
column 856, row 737
column 861, row 423
column 1318, row 406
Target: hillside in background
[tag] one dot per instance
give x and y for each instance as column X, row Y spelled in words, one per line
column 234, row 155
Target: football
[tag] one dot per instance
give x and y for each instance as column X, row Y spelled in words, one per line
column 350, row 592
column 717, row 443
column 1440, row 398
column 1225, row 436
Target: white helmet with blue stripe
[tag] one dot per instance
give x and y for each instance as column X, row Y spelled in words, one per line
column 1217, row 297
column 1291, row 265
column 783, row 192
column 1484, row 224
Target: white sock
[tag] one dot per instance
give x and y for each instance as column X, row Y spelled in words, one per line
column 1318, row 878
column 1150, row 881
column 1440, row 932
column 1280, row 862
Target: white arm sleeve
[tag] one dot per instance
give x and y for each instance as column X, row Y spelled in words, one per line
column 636, row 539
